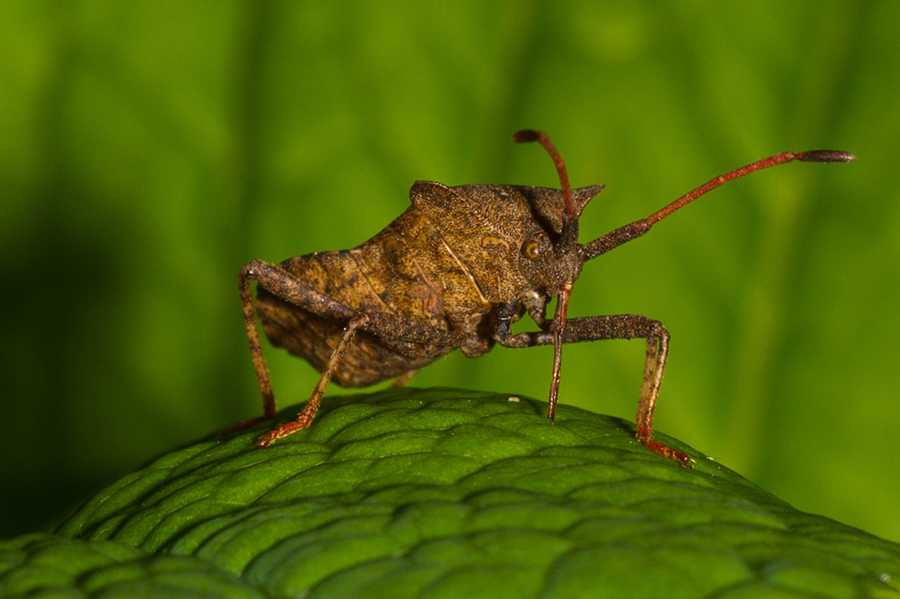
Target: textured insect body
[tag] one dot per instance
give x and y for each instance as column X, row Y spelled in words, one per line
column 456, row 270
column 446, row 262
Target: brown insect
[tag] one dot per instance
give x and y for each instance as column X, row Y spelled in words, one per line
column 456, row 270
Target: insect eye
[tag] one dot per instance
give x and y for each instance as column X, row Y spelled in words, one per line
column 531, row 249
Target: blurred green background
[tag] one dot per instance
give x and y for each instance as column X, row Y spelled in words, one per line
column 148, row 150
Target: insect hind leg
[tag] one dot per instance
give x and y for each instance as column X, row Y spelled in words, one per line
column 282, row 284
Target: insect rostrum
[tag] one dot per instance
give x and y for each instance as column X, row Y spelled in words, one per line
column 457, row 270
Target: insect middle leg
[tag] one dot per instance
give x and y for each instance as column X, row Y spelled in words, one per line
column 621, row 326
column 315, row 400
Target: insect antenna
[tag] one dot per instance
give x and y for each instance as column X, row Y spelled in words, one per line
column 528, row 135
column 626, row 233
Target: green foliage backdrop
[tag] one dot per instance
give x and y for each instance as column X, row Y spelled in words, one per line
column 148, row 150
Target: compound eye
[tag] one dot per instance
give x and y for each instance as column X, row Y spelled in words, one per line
column 531, row 249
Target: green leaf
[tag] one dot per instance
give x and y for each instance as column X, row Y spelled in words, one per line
column 449, row 493
column 46, row 566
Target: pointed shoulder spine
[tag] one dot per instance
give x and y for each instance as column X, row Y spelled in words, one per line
column 422, row 189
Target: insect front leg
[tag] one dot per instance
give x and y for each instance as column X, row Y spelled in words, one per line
column 621, row 326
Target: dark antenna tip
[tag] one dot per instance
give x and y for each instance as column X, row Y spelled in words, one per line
column 825, row 156
column 526, row 135
column 535, row 135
